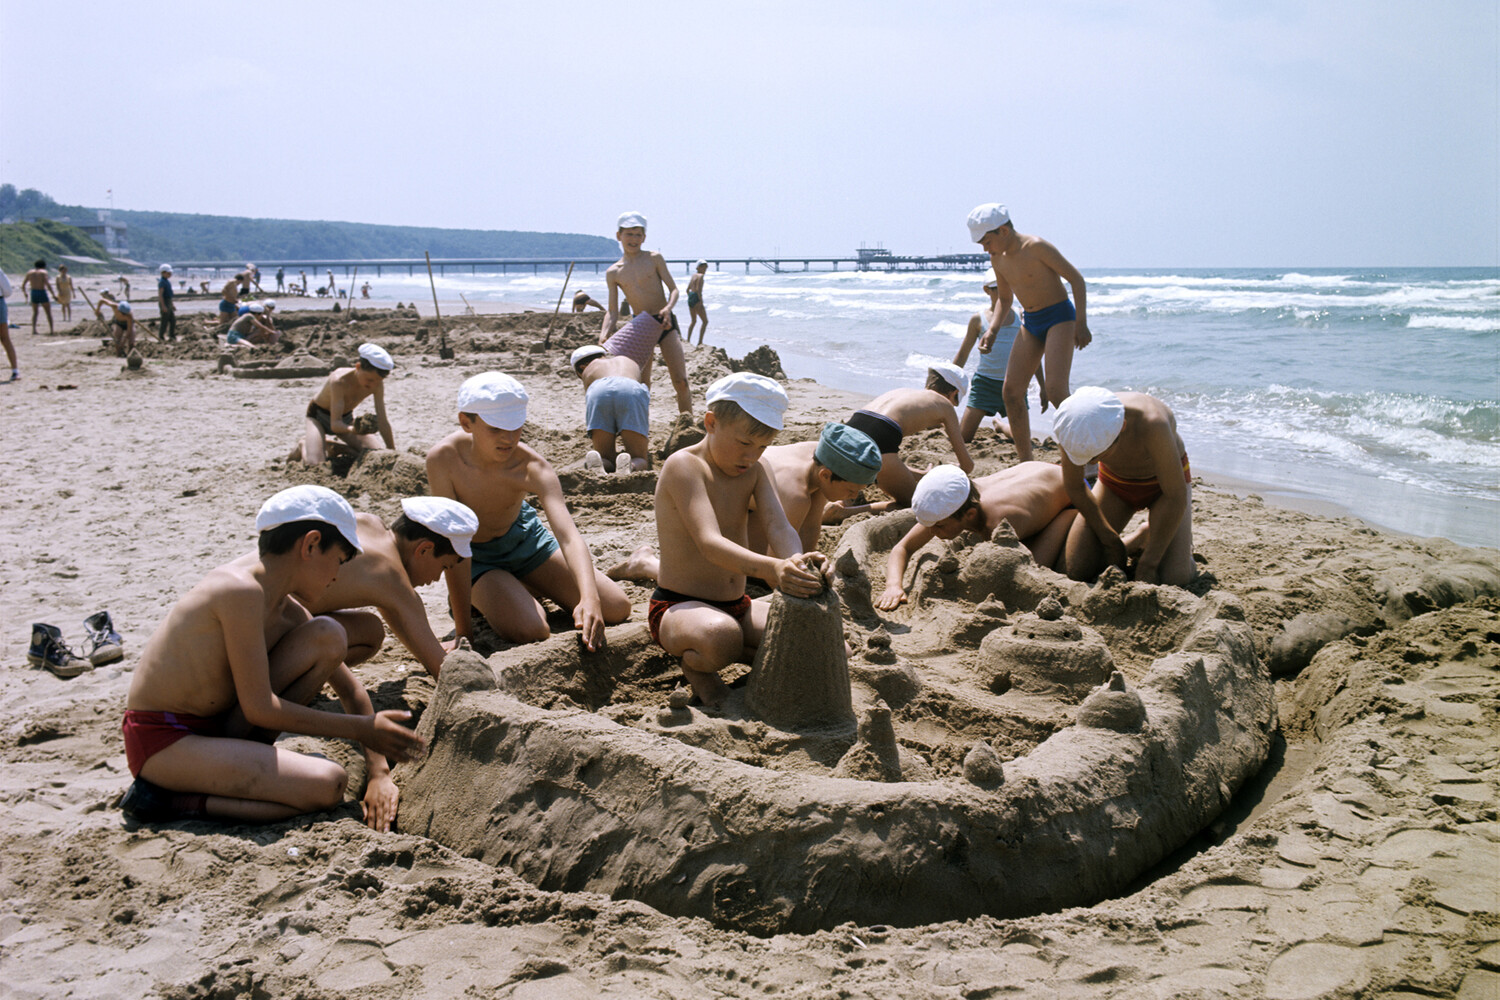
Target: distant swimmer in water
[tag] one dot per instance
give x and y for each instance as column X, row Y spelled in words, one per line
column 646, row 281
column 695, row 301
column 582, row 302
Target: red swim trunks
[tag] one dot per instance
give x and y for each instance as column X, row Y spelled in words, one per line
column 1139, row 493
column 149, row 733
column 662, row 599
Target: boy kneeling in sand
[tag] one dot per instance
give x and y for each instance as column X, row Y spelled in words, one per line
column 700, row 611
column 891, row 416
column 331, row 412
column 616, row 405
column 431, row 536
column 947, row 502
column 515, row 559
column 237, row 661
column 1142, row 466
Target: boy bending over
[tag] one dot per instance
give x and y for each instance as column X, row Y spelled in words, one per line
column 893, row 415
column 331, row 412
column 515, row 559
column 700, row 611
column 616, row 406
column 237, row 661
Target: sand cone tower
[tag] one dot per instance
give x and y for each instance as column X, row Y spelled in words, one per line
column 800, row 677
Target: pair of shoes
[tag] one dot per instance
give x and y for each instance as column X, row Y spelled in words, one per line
column 145, row 802
column 105, row 645
column 48, row 650
column 593, row 460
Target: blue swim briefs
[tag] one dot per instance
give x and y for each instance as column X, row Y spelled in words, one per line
column 984, row 395
column 616, row 403
column 1039, row 322
column 39, row 297
column 225, row 306
column 519, row 551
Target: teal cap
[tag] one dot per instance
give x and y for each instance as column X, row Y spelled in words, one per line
column 848, row 453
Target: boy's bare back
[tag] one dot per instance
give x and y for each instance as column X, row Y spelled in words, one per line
column 689, row 486
column 1028, row 495
column 916, row 410
column 609, row 365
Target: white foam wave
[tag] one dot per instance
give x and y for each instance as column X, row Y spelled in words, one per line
column 1477, row 324
column 958, row 330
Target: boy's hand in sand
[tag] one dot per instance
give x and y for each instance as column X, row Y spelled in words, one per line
column 801, row 575
column 589, row 620
column 389, row 738
column 379, row 805
column 890, row 598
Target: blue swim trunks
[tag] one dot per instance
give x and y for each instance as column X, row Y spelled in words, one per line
column 225, row 306
column 39, row 297
column 1039, row 322
column 616, row 403
column 519, row 551
column 984, row 395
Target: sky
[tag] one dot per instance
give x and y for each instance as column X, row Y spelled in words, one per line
column 1129, row 134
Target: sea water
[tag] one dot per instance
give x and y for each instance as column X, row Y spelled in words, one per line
column 1375, row 389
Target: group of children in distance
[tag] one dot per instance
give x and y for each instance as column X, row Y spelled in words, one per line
column 240, row 657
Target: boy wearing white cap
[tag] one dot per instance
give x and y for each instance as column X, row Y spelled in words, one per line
column 695, row 301
column 431, row 536
column 121, row 324
column 1142, row 466
column 237, row 660
column 891, row 416
column 706, row 497
column 166, row 326
column 1030, row 270
column 648, row 286
column 516, row 560
column 253, row 326
column 987, row 386
column 331, row 412
column 947, row 502
column 616, row 407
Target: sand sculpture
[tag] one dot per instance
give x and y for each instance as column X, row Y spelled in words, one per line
column 1053, row 751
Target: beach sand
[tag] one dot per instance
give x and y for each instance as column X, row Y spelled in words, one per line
column 1364, row 861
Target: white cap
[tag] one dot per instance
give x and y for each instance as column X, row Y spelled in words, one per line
column 377, row 356
column 630, row 220
column 309, row 503
column 992, row 283
column 495, row 398
column 586, row 351
column 700, row 262
column 269, row 303
column 939, row 494
column 763, row 398
column 986, row 218
column 953, row 375
column 166, row 268
column 449, row 518
column 1087, row 423
column 255, row 307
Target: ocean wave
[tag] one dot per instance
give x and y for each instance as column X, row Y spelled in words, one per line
column 959, row 330
column 1475, row 324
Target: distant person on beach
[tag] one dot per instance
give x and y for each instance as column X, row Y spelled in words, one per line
column 616, row 408
column 124, row 287
column 431, row 536
column 253, row 274
column 891, row 416
column 332, row 287
column 121, row 322
column 5, row 341
column 280, row 280
column 331, row 412
column 38, row 283
column 303, row 291
column 364, row 290
column 706, row 497
column 645, row 280
column 986, row 389
column 1030, row 496
column 516, row 560
column 695, row 301
column 236, row 662
column 253, row 326
column 167, row 324
column 582, row 302
column 1028, row 269
column 65, row 292
column 1142, row 466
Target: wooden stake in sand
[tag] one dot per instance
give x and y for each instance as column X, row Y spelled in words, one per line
column 444, row 351
column 547, row 340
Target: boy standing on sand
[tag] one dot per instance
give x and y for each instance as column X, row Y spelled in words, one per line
column 516, row 560
column 237, row 661
column 10, row 348
column 695, row 301
column 38, row 283
column 985, row 393
column 431, row 536
column 331, row 412
column 615, row 405
column 229, row 301
column 648, row 286
column 891, row 416
column 699, row 611
column 168, row 311
column 1142, row 466
column 1030, row 270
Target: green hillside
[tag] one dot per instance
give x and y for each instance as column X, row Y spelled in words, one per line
column 24, row 243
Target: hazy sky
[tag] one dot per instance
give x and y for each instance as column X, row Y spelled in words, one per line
column 1134, row 133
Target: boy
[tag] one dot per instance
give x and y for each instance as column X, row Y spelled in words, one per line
column 583, row 302
column 985, row 399
column 10, row 348
column 168, row 322
column 891, row 416
column 229, row 300
column 1030, row 270
column 648, row 286
column 253, row 326
column 236, row 661
column 431, row 536
column 616, row 405
column 1142, row 466
column 947, row 502
column 695, row 302
column 699, row 611
column 121, row 324
column 65, row 292
column 515, row 559
column 340, row 393
column 39, row 283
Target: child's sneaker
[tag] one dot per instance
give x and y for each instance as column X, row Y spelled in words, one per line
column 594, row 461
column 105, row 645
column 48, row 650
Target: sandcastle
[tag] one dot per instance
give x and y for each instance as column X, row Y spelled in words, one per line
column 1055, row 743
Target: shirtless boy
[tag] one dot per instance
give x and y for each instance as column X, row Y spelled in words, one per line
column 229, row 301
column 121, row 323
column 238, row 660
column 253, row 326
column 947, row 502
column 700, row 611
column 65, row 292
column 1031, row 271
column 616, row 407
column 648, row 286
column 985, row 393
column 431, row 536
column 1142, row 466
column 38, row 283
column 516, row 560
column 331, row 412
column 582, row 302
column 891, row 416
column 695, row 301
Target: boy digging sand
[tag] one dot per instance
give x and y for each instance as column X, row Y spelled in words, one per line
column 700, row 611
column 515, row 559
column 616, row 406
column 341, row 392
column 236, row 661
column 648, row 286
column 891, row 416
column 1030, row 270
